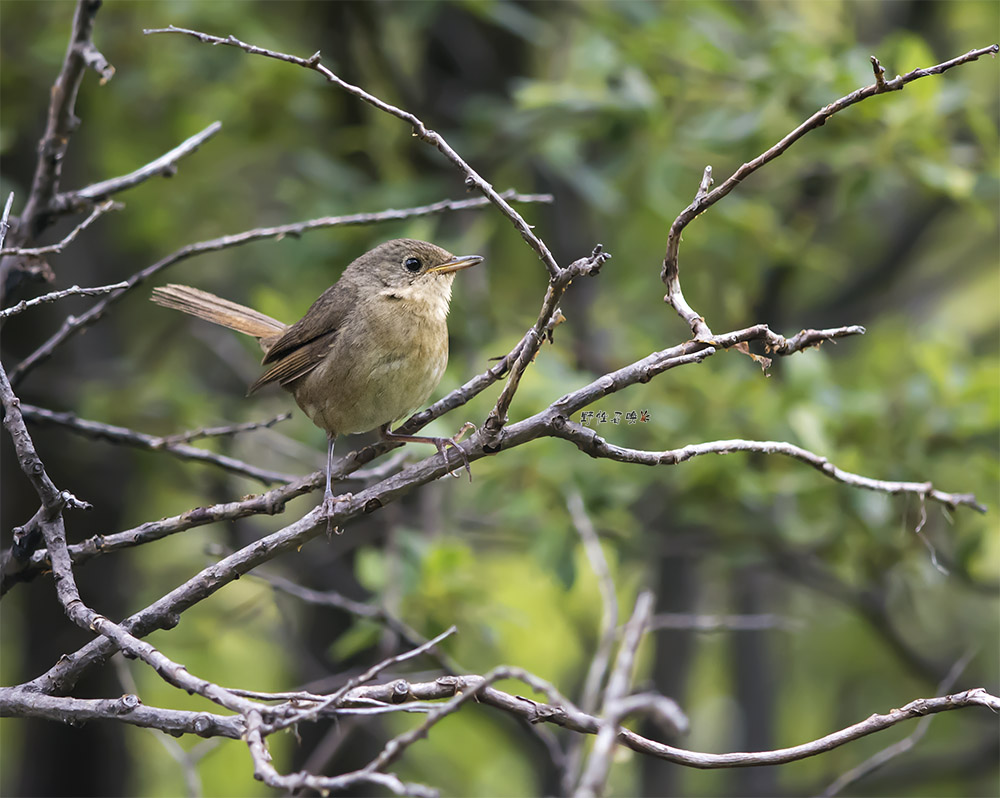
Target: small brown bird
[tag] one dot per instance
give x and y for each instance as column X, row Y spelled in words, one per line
column 368, row 352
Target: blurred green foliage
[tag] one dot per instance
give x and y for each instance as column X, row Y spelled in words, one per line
column 886, row 216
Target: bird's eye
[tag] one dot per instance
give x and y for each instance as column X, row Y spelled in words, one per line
column 412, row 265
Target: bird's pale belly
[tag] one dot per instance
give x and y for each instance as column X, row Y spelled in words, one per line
column 358, row 391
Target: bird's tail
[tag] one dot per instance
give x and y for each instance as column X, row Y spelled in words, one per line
column 218, row 311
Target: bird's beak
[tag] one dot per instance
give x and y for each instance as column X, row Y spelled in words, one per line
column 456, row 264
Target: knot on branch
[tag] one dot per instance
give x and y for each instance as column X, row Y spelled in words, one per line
column 70, row 501
column 588, row 266
column 400, row 691
column 170, row 620
column 202, row 725
column 492, row 427
column 126, row 704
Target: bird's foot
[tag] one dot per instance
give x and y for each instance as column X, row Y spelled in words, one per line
column 327, row 508
column 442, row 445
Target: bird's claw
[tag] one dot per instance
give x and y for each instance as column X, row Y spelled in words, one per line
column 443, row 444
column 327, row 508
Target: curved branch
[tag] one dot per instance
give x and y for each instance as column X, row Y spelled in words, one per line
column 588, row 441
column 705, row 199
column 562, row 713
column 420, row 130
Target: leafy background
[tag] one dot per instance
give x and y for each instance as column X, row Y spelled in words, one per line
column 885, row 217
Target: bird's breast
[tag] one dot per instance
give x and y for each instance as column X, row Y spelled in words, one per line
column 384, row 364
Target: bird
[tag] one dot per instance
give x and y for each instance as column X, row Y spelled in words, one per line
column 367, row 353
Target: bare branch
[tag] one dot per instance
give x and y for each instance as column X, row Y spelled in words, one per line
column 75, row 325
column 561, row 713
column 545, row 423
column 587, row 440
column 594, row 680
column 127, row 709
column 270, row 503
column 421, row 131
column 378, row 614
column 122, row 435
column 226, row 431
column 98, row 211
column 266, row 772
column 599, row 764
column 53, row 500
column 703, row 200
column 873, row 763
column 165, row 165
column 460, row 689
column 61, row 120
column 4, row 223
column 164, row 613
column 53, row 531
column 527, row 348
column 609, row 600
column 75, row 290
column 333, row 700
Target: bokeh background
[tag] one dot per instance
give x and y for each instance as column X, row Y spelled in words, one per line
column 886, row 217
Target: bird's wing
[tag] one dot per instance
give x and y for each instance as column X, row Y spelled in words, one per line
column 296, row 363
column 322, row 320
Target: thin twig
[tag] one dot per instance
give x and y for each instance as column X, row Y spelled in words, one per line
column 226, row 431
column 591, row 691
column 377, row 614
column 74, row 325
column 75, row 290
column 703, row 200
column 421, row 131
column 165, row 165
column 294, row 782
column 22, row 701
column 588, row 441
column 97, row 430
column 876, row 761
column 598, row 766
column 4, row 224
column 527, row 348
column 335, row 698
column 61, row 120
column 96, row 213
column 561, row 713
column 53, row 531
column 127, row 709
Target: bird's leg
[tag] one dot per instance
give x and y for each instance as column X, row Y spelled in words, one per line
column 329, row 500
column 442, row 444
